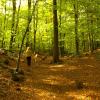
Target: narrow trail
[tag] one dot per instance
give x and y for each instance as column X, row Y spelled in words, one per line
column 45, row 81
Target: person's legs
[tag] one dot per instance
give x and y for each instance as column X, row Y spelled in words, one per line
column 28, row 61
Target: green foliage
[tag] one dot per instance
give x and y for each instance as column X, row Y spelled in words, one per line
column 44, row 32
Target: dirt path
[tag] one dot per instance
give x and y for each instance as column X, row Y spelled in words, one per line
column 58, row 81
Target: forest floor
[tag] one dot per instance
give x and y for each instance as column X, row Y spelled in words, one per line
column 76, row 78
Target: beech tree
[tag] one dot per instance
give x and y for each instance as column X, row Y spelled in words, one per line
column 55, row 25
column 76, row 26
column 12, row 39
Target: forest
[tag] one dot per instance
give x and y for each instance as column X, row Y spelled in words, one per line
column 49, row 49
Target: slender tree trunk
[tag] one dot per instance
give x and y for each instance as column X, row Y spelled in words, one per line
column 90, row 32
column 27, row 29
column 60, row 34
column 92, row 36
column 17, row 19
column 3, row 41
column 97, row 32
column 13, row 25
column 88, row 26
column 55, row 23
column 83, row 42
column 35, row 22
column 76, row 27
column 29, row 15
column 18, row 61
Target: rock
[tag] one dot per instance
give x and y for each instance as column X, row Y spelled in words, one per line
column 79, row 84
column 18, row 77
column 6, row 61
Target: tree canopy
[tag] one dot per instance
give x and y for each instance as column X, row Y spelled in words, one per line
column 78, row 24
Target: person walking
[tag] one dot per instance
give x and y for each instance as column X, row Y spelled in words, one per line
column 28, row 54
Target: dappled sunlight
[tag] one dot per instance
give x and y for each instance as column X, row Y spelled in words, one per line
column 74, row 79
column 78, row 97
column 29, row 81
column 92, row 58
column 90, row 66
column 72, row 68
column 51, row 79
column 27, row 89
column 57, row 66
column 85, row 58
column 83, row 95
column 44, row 94
column 54, row 80
column 98, row 50
column 63, row 67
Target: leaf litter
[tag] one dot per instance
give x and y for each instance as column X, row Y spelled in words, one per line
column 77, row 78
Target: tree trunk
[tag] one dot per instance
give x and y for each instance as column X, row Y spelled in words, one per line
column 35, row 21
column 61, row 35
column 17, row 19
column 27, row 29
column 90, row 31
column 3, row 41
column 13, row 26
column 55, row 23
column 83, row 42
column 88, row 26
column 76, row 27
column 92, row 34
